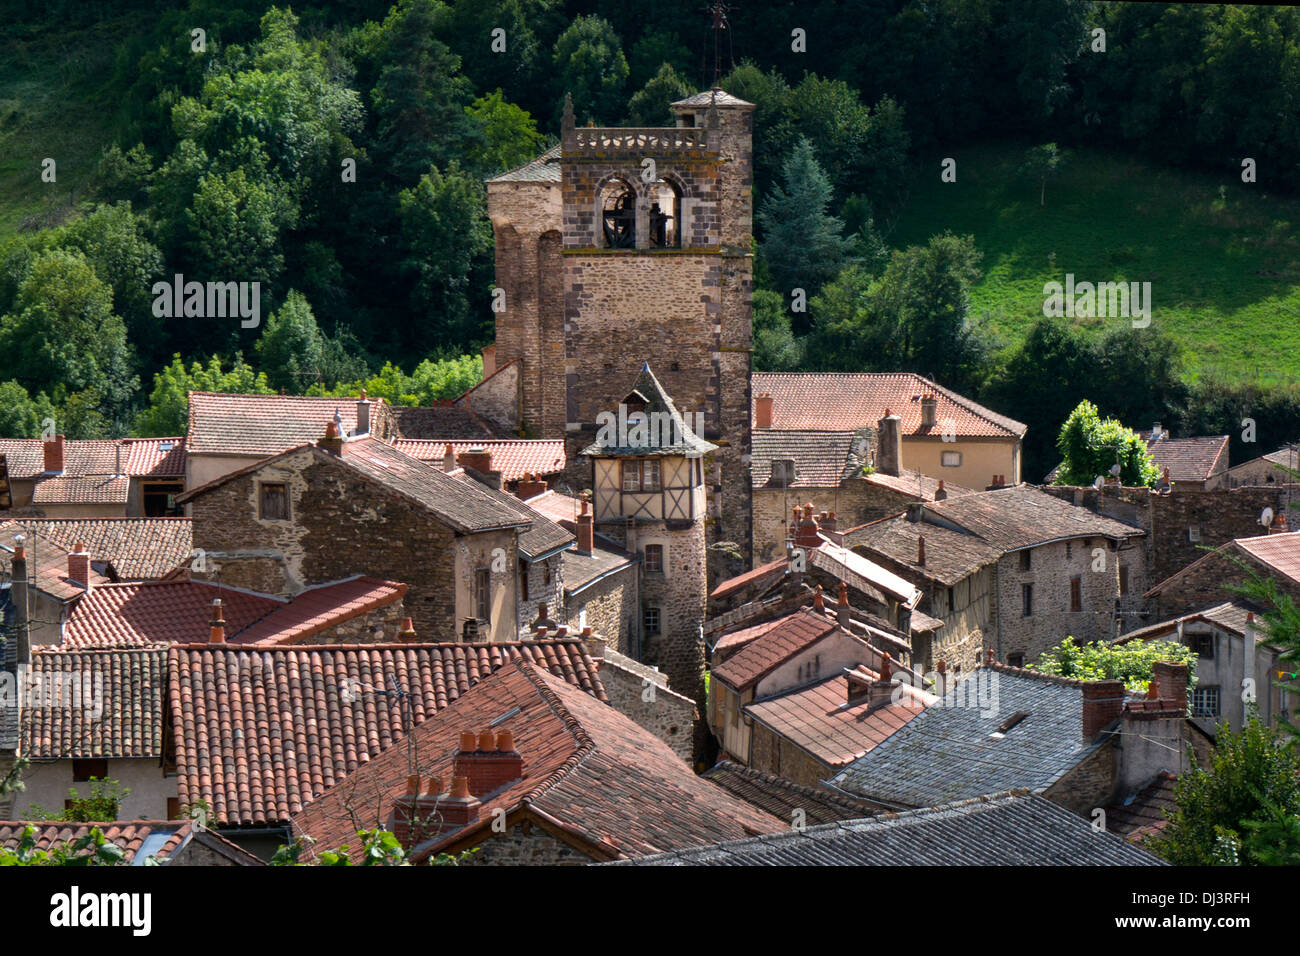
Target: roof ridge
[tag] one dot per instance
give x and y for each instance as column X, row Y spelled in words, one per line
column 1033, row 674
column 828, row 795
column 384, row 645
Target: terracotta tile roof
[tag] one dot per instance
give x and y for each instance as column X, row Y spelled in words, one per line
column 51, row 563
column 1021, row 516
column 919, row 486
column 443, row 423
column 135, row 457
column 260, row 731
column 949, row 555
column 544, row 169
column 263, row 425
column 764, row 572
column 137, row 548
column 759, row 657
column 843, row 401
column 514, row 458
column 1142, row 814
column 542, row 536
column 130, row 835
column 144, row 613
column 96, row 703
column 1014, row 828
column 781, row 797
column 1279, row 553
column 821, row 458
column 1230, row 616
column 319, row 608
column 1189, row 459
column 96, row 490
column 608, row 785
column 739, row 638
column 818, row 720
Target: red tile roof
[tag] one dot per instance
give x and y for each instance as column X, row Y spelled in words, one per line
column 513, row 458
column 260, row 732
column 1279, row 553
column 129, row 835
column 97, row 703
column 137, row 548
column 739, row 638
column 134, row 457
column 843, row 401
column 817, row 719
column 766, row 653
column 319, row 608
column 771, row 570
column 47, row 563
column 264, row 425
column 919, row 486
column 604, row 784
column 1190, row 459
column 144, row 613
column 91, row 490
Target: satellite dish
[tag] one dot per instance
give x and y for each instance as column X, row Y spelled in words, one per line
column 1266, row 517
column 1114, row 469
column 1099, row 482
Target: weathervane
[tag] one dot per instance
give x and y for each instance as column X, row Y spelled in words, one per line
column 720, row 23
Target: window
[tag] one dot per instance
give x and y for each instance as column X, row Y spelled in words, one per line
column 483, row 594
column 1123, row 579
column 951, row 459
column 1027, row 599
column 631, row 476
column 275, row 502
column 85, row 769
column 1076, row 594
column 1205, row 702
column 1025, row 561
column 952, row 602
column 1194, row 533
column 650, row 475
column 523, row 579
column 1069, row 550
column 1202, row 643
column 1016, row 660
column 650, row 620
column 159, row 499
column 654, row 558
column 173, row 808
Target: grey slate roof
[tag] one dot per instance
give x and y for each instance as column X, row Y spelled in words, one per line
column 1021, row 516
column 445, row 422
column 821, row 459
column 681, row 440
column 1014, row 828
column 544, row 537
column 544, row 169
column 948, row 753
column 705, row 97
column 581, row 569
column 781, row 797
column 949, row 555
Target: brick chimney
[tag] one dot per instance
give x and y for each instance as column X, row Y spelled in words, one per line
column 805, row 534
column 478, row 458
column 1171, row 682
column 763, row 411
column 543, row 623
column 363, row 415
column 460, row 806
column 79, row 565
column 889, row 444
column 928, row 405
column 1103, row 703
column 940, row 494
column 333, row 440
column 490, row 763
column 217, row 629
column 842, row 607
column 1279, row 525
column 530, row 486
column 54, row 456
column 829, row 523
column 586, row 528
column 448, row 459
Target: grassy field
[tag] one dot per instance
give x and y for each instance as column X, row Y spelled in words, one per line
column 1222, row 257
column 52, row 105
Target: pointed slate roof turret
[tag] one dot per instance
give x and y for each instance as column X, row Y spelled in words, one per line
column 664, row 433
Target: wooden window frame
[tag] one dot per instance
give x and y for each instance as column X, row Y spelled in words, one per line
column 262, row 489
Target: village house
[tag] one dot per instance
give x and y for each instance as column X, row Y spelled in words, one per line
column 943, row 434
column 1014, row 828
column 1273, row 468
column 125, row 477
column 1079, row 744
column 1199, row 463
column 1233, row 655
column 571, row 780
column 1211, row 578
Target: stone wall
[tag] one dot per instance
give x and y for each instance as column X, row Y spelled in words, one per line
column 642, row 693
column 525, row 844
column 545, row 586
column 497, row 397
column 613, row 610
column 386, row 620
column 1089, row 784
column 774, row 754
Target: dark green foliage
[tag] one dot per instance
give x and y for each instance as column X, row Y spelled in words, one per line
column 590, row 64
column 803, row 246
column 1091, row 447
column 649, row 106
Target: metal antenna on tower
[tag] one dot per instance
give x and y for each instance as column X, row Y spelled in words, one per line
column 720, row 23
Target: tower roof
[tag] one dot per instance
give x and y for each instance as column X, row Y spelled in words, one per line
column 706, row 98
column 666, row 431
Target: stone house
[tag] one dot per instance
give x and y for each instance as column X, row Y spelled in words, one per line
column 1233, row 655
column 117, row 478
column 1270, row 469
column 1209, row 579
column 530, row 770
column 1199, row 463
column 943, row 435
column 317, row 512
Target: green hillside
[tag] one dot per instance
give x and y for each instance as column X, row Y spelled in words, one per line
column 1223, row 263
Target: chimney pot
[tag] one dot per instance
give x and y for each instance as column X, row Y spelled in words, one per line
column 435, row 786
column 505, row 741
column 413, row 785
column 460, row 788
column 468, row 742
column 818, row 601
column 487, row 741
column 407, row 633
column 217, row 629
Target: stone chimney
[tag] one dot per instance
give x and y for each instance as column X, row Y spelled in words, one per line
column 842, row 607
column 940, row 494
column 363, row 415
column 54, row 456
column 928, row 405
column 1103, row 703
column 920, row 550
column 333, row 440
column 478, row 461
column 889, row 444
column 763, row 411
column 1171, row 681
column 489, row 763
column 586, row 528
column 217, row 629
column 448, row 459
column 79, row 565
column 18, row 596
column 530, row 486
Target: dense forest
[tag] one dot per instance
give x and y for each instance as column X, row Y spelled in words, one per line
column 335, row 154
